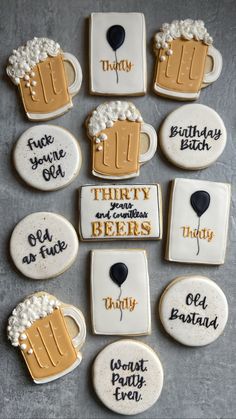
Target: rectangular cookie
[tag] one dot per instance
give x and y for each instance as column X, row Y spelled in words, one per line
column 117, row 54
column 120, row 212
column 198, row 221
column 120, row 302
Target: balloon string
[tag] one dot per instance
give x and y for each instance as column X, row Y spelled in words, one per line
column 121, row 312
column 198, row 245
column 117, row 77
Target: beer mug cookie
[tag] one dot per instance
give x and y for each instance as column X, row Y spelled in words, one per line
column 121, row 141
column 186, row 60
column 49, row 334
column 46, row 76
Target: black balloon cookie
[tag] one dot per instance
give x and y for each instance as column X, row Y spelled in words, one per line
column 49, row 334
column 117, row 54
column 198, row 221
column 186, row 60
column 47, row 78
column 120, row 292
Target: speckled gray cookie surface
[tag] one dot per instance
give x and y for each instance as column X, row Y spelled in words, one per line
column 199, row 382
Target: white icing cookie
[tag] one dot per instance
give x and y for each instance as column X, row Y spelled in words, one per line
column 120, row 292
column 47, row 157
column 43, row 245
column 120, row 212
column 193, row 310
column 128, row 377
column 186, row 60
column 117, row 54
column 120, row 141
column 47, row 78
column 193, row 136
column 50, row 335
column 198, row 221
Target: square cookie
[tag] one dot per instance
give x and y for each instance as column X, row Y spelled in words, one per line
column 117, row 54
column 120, row 212
column 120, row 292
column 198, row 221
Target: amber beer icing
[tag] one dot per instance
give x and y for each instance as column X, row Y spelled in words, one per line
column 114, row 128
column 181, row 48
column 38, row 327
column 37, row 68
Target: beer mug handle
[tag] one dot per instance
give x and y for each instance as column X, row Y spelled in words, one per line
column 75, row 86
column 152, row 135
column 78, row 317
column 217, row 65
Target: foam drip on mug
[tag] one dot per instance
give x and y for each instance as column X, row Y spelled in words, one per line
column 26, row 313
column 106, row 114
column 187, row 29
column 26, row 57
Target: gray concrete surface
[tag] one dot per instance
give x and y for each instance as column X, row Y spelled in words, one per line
column 199, row 383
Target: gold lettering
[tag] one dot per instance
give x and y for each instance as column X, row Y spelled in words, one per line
column 127, row 303
column 146, row 228
column 107, row 194
column 108, row 228
column 124, row 193
column 120, row 228
column 132, row 228
column 136, row 193
column 210, row 235
column 96, row 228
column 202, row 234
column 146, row 193
column 96, row 192
column 122, row 65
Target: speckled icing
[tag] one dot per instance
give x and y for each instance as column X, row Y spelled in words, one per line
column 187, row 29
column 26, row 57
column 26, row 313
column 107, row 113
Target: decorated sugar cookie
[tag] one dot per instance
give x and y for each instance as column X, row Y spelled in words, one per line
column 128, row 377
column 120, row 212
column 47, row 157
column 49, row 341
column 193, row 136
column 186, row 60
column 198, row 221
column 193, row 310
column 43, row 245
column 47, row 78
column 117, row 54
column 121, row 142
column 120, row 292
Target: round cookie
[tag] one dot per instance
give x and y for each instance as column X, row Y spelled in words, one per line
column 193, row 136
column 43, row 245
column 128, row 377
column 47, row 157
column 193, row 310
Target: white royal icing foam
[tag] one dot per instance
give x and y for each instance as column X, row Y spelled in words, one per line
column 26, row 313
column 107, row 113
column 187, row 29
column 27, row 56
